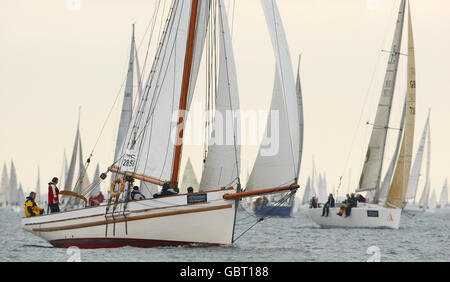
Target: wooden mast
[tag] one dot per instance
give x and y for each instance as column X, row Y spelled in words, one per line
column 184, row 94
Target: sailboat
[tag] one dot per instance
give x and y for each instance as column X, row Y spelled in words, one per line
column 282, row 167
column 377, row 214
column 149, row 154
column 4, row 186
column 443, row 200
column 410, row 206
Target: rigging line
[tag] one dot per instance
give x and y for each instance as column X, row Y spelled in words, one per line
column 283, row 84
column 267, row 215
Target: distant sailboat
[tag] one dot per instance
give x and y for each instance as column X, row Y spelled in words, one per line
column 376, row 214
column 150, row 155
column 443, row 200
column 4, row 186
column 189, row 179
column 413, row 183
column 12, row 193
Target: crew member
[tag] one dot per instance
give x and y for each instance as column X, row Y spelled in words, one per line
column 31, row 208
column 53, row 195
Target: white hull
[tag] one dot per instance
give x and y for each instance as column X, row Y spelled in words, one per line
column 363, row 216
column 413, row 208
column 168, row 221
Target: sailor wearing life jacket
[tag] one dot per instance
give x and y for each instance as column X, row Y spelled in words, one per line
column 53, row 193
column 31, row 208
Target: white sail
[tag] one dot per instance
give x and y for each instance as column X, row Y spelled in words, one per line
column 152, row 131
column 433, row 200
column 426, row 191
column 298, row 88
column 127, row 104
column 443, row 200
column 413, row 182
column 189, row 179
column 371, row 173
column 222, row 164
column 307, row 195
column 73, row 161
column 386, row 184
column 96, row 181
column 321, row 189
column 4, row 185
column 12, row 197
column 20, row 196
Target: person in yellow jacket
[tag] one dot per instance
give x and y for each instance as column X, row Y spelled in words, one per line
column 31, row 208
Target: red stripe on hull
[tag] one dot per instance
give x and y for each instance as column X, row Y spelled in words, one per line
column 101, row 243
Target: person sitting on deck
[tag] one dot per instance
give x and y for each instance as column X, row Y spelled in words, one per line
column 166, row 191
column 31, row 208
column 313, row 203
column 352, row 202
column 136, row 194
column 327, row 205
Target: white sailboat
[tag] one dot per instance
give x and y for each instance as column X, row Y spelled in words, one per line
column 12, row 194
column 376, row 214
column 410, row 205
column 443, row 200
column 151, row 156
column 283, row 167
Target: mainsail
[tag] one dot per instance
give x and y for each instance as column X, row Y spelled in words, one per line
column 274, row 169
column 397, row 193
column 150, row 137
column 371, row 173
column 426, row 191
column 222, row 164
column 127, row 104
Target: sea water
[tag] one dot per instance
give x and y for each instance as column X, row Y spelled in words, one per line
column 421, row 237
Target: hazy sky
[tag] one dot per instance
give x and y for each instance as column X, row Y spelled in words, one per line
column 55, row 59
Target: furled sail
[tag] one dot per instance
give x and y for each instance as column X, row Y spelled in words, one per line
column 443, row 200
column 222, row 164
column 413, row 182
column 371, row 173
column 150, row 140
column 279, row 164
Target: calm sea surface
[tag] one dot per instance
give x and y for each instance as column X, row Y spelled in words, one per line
column 422, row 237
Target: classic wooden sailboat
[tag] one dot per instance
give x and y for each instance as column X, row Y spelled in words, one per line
column 149, row 154
column 376, row 214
